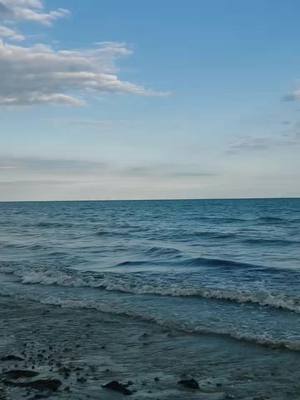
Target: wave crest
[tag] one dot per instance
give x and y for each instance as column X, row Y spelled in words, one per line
column 156, row 284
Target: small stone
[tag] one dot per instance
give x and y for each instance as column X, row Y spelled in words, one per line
column 40, row 384
column 16, row 374
column 189, row 383
column 117, row 387
column 12, row 357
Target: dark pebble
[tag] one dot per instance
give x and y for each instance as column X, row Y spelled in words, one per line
column 18, row 373
column 117, row 387
column 189, row 383
column 40, row 384
column 12, row 357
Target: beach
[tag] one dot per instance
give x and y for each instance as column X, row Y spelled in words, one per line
column 82, row 350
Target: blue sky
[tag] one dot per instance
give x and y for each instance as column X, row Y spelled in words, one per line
column 114, row 99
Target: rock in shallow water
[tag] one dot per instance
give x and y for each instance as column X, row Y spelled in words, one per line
column 40, row 384
column 117, row 387
column 12, row 357
column 17, row 373
column 189, row 383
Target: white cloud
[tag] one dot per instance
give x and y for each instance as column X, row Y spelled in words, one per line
column 263, row 143
column 29, row 10
column 40, row 74
column 10, row 34
column 294, row 96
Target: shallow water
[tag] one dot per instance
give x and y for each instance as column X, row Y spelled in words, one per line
column 96, row 348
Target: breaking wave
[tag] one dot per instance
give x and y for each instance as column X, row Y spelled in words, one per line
column 156, row 284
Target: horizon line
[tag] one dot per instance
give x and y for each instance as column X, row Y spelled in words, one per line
column 153, row 199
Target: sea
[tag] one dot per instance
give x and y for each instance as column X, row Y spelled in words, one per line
column 228, row 268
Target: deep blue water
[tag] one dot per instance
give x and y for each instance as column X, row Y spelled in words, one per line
column 226, row 267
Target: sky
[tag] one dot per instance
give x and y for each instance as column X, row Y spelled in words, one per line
column 113, row 99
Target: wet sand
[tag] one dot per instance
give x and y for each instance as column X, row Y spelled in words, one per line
column 69, row 353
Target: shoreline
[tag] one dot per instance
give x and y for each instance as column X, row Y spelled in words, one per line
column 77, row 352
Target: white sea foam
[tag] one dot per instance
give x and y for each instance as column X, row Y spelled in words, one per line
column 158, row 285
column 135, row 284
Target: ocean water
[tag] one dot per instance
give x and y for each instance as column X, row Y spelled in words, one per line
column 227, row 268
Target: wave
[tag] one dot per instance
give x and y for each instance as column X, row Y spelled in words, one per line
column 263, row 340
column 155, row 284
column 294, row 221
column 272, row 242
column 163, row 251
column 227, row 220
column 218, row 262
column 49, row 224
column 188, row 236
column 271, row 220
column 107, row 233
column 133, row 263
column 213, row 235
column 19, row 245
column 120, row 230
column 264, row 299
column 194, row 262
column 43, row 224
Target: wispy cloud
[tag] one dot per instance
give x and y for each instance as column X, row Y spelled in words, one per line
column 30, row 11
column 261, row 143
column 167, row 171
column 49, row 166
column 40, row 74
column 10, row 34
column 34, row 166
column 294, row 96
column 35, row 182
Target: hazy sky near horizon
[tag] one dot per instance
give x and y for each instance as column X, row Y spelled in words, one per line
column 163, row 99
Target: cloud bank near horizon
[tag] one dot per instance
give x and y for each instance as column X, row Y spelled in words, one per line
column 24, row 177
